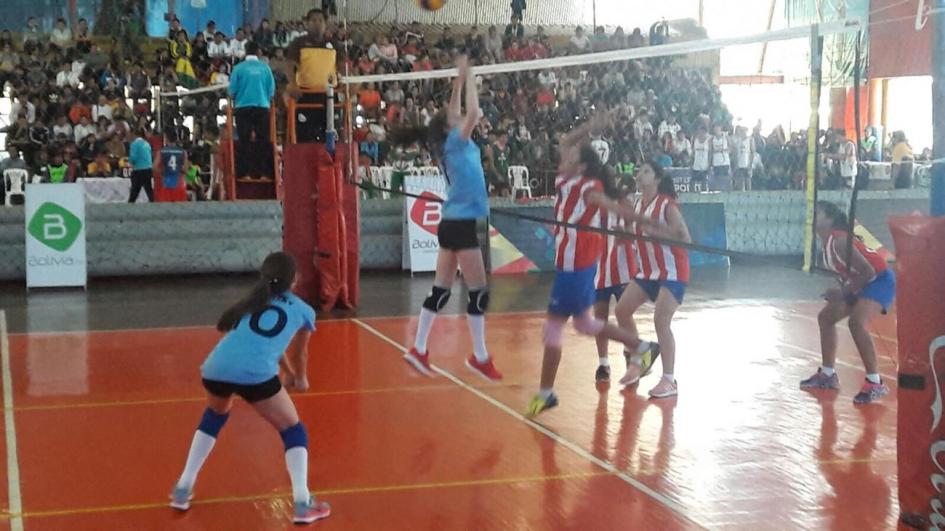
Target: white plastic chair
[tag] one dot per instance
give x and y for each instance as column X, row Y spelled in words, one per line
column 381, row 177
column 518, row 175
column 14, row 182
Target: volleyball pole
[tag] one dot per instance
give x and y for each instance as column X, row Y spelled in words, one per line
column 813, row 131
column 937, row 192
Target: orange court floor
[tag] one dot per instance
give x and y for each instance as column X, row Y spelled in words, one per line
column 101, row 421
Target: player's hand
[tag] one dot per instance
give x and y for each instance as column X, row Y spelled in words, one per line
column 462, row 64
column 288, row 380
column 834, row 295
column 301, row 384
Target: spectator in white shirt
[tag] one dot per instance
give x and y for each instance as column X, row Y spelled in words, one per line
column 721, row 160
column 579, row 40
column 218, row 47
column 84, row 129
column 21, row 105
column 238, row 45
column 493, row 44
column 210, row 32
column 61, row 36
column 701, row 148
column 744, row 156
column 601, row 147
column 547, row 78
column 682, row 150
column 102, row 109
column 62, row 127
column 670, row 126
column 66, row 77
column 642, row 125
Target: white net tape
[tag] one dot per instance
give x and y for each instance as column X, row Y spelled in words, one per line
column 679, row 48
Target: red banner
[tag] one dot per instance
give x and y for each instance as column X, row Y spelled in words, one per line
column 920, row 290
column 900, row 38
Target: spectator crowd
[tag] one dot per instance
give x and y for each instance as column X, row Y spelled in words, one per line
column 76, row 107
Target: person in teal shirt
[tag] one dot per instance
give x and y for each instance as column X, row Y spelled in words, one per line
column 140, row 158
column 252, row 86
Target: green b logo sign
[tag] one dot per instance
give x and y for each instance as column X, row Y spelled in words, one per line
column 55, row 227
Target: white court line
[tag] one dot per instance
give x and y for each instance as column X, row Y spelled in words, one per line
column 13, row 465
column 837, row 361
column 609, row 467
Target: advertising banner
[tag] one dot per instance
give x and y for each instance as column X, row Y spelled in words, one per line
column 55, row 235
column 421, row 221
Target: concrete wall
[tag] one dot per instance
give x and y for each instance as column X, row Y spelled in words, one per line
column 162, row 238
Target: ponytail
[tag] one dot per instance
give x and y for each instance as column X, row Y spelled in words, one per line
column 432, row 136
column 276, row 277
column 594, row 169
column 838, row 218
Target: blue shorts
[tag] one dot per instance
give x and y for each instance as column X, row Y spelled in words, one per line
column 573, row 292
column 604, row 294
column 652, row 288
column 882, row 289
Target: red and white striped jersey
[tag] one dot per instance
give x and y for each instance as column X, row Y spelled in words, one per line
column 837, row 263
column 617, row 263
column 574, row 249
column 659, row 261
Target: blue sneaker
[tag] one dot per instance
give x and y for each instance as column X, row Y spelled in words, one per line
column 871, row 392
column 311, row 511
column 821, row 381
column 180, row 498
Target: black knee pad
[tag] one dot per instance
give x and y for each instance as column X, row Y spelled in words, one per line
column 437, row 299
column 478, row 301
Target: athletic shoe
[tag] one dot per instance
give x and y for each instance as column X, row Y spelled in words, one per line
column 420, row 362
column 486, row 369
column 310, row 511
column 180, row 498
column 603, row 374
column 649, row 358
column 539, row 404
column 870, row 392
column 634, row 373
column 664, row 389
column 821, row 381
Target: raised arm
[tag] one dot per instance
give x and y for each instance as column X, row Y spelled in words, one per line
column 471, row 118
column 577, row 135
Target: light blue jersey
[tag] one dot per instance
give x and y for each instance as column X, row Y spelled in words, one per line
column 250, row 353
column 466, row 196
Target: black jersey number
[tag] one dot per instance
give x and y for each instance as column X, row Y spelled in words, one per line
column 281, row 320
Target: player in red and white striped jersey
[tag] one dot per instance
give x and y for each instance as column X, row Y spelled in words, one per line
column 583, row 191
column 615, row 269
column 663, row 271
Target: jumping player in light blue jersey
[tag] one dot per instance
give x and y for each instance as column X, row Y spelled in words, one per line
column 448, row 138
column 259, row 328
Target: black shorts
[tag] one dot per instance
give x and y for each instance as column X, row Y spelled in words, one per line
column 250, row 393
column 457, row 234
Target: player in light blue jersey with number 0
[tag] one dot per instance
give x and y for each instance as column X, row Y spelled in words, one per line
column 448, row 137
column 259, row 328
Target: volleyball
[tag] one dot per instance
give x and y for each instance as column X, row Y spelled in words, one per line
column 431, row 5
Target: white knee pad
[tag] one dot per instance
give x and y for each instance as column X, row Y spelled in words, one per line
column 588, row 325
column 554, row 332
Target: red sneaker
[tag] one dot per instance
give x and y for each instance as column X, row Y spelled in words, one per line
column 418, row 361
column 485, row 369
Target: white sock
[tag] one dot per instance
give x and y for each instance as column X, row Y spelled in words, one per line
column 643, row 347
column 874, row 378
column 828, row 371
column 544, row 393
column 423, row 330
column 296, row 460
column 604, row 361
column 199, row 450
column 668, row 376
column 477, row 329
